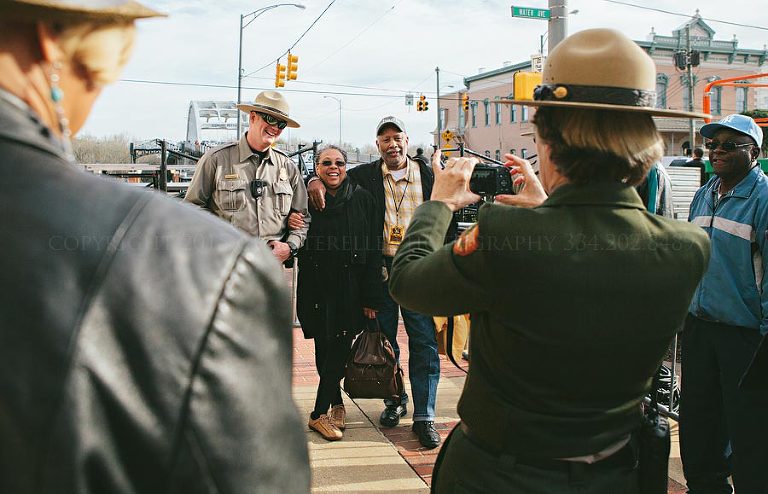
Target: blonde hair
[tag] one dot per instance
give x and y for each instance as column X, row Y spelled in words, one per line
column 101, row 49
column 600, row 145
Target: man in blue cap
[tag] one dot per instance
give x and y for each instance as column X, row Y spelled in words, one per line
column 724, row 429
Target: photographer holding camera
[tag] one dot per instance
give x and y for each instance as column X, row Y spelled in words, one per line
column 252, row 185
column 574, row 295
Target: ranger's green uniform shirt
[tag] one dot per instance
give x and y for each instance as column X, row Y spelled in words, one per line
column 222, row 185
column 573, row 305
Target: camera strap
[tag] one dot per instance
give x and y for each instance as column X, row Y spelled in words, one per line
column 449, row 344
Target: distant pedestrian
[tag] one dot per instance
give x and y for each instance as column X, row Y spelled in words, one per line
column 698, row 162
column 253, row 185
column 420, row 157
column 724, row 429
column 339, row 284
column 663, row 205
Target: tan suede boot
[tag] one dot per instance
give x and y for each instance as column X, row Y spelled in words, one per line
column 326, row 429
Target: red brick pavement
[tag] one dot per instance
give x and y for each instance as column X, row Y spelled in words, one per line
column 421, row 459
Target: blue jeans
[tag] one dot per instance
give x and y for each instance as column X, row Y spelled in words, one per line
column 423, row 362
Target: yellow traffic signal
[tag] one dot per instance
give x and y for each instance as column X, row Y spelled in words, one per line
column 525, row 83
column 280, row 75
column 293, row 66
column 421, row 105
column 465, row 102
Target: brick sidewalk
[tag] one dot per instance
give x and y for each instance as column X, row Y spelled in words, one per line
column 420, row 459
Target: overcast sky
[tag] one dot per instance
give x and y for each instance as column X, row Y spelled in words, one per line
column 389, row 46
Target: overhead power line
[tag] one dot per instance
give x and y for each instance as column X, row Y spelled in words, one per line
column 227, row 86
column 685, row 15
column 356, row 36
column 297, row 41
column 400, row 93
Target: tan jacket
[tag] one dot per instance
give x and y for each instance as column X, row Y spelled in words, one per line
column 222, row 185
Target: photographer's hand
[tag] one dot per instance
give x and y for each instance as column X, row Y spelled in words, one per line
column 532, row 194
column 452, row 184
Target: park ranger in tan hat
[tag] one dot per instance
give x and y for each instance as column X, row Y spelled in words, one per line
column 253, row 185
column 577, row 284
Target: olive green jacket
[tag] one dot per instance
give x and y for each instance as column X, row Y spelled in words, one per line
column 573, row 305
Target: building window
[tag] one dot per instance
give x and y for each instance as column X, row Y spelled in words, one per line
column 717, row 100
column 662, row 81
column 512, row 151
column 443, row 118
column 498, row 155
column 497, row 106
column 512, row 110
column 462, row 118
column 473, row 107
column 686, row 99
column 523, row 153
column 524, row 116
column 741, row 99
column 487, row 108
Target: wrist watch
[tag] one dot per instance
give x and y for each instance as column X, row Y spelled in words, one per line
column 294, row 249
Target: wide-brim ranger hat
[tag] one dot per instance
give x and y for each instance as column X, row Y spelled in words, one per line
column 271, row 103
column 96, row 10
column 600, row 69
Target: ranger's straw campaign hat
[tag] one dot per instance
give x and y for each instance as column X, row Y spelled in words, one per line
column 97, row 10
column 600, row 69
column 271, row 103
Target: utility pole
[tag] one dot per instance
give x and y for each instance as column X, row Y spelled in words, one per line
column 439, row 123
column 691, row 133
column 558, row 22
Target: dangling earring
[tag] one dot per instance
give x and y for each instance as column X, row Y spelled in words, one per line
column 57, row 95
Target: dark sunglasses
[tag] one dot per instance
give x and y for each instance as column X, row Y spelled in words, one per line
column 337, row 163
column 280, row 124
column 726, row 146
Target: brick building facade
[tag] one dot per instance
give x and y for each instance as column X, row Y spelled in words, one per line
column 493, row 129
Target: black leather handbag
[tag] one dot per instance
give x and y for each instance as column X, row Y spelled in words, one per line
column 654, row 445
column 372, row 370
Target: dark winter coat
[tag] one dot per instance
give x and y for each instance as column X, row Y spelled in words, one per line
column 340, row 265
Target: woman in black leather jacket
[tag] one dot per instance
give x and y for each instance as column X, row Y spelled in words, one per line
column 137, row 354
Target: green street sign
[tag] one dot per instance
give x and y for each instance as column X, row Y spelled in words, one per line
column 530, row 13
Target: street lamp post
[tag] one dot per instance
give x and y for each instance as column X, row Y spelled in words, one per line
column 339, row 101
column 256, row 13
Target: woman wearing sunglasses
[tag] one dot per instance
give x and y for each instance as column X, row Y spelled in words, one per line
column 339, row 282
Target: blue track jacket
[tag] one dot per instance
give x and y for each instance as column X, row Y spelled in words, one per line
column 734, row 288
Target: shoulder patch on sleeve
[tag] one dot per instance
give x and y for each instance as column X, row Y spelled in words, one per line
column 468, row 242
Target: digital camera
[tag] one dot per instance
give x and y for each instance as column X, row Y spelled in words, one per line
column 489, row 180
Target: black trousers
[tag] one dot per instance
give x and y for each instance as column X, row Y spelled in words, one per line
column 330, row 358
column 464, row 467
column 723, row 428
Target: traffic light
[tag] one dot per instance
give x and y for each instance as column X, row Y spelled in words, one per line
column 293, row 66
column 280, row 75
column 465, row 101
column 424, row 103
column 525, row 83
column 421, row 105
